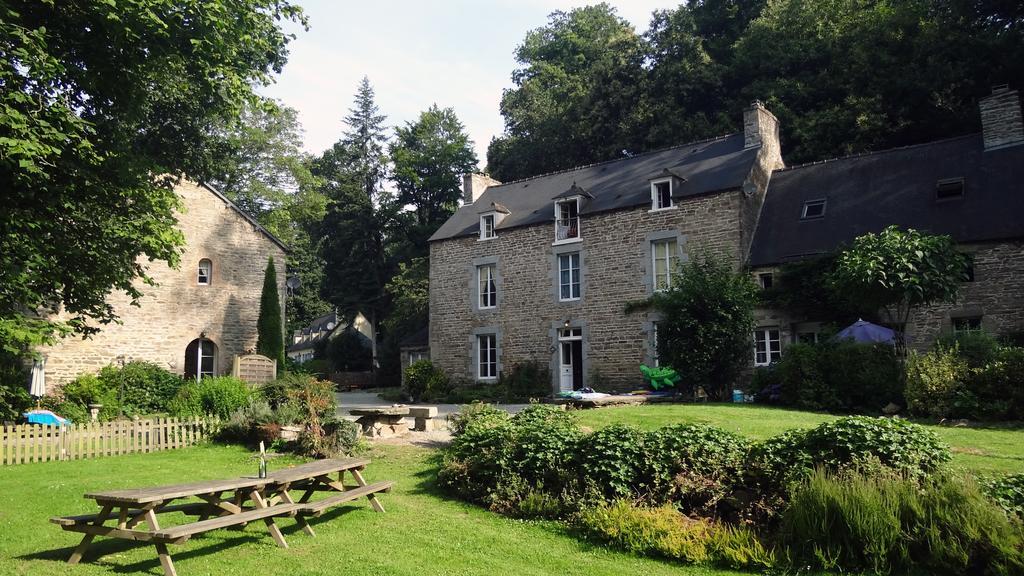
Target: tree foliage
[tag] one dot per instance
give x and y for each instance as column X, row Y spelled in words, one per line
column 98, row 97
column 897, row 271
column 834, row 72
column 364, row 140
column 707, row 318
column 270, row 332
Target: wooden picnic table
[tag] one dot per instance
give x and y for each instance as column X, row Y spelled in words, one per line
column 222, row 504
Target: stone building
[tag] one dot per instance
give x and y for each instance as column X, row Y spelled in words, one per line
column 542, row 269
column 970, row 188
column 199, row 316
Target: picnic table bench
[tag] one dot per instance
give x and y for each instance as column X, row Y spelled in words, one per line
column 223, row 504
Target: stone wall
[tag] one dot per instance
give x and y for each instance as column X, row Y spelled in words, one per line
column 178, row 309
column 615, row 269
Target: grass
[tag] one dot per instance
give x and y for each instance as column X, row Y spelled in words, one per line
column 422, row 532
column 992, row 450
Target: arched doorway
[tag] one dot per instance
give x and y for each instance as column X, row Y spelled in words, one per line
column 200, row 359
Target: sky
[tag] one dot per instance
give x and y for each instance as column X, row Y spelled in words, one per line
column 455, row 53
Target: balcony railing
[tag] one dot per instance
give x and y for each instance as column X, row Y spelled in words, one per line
column 567, row 228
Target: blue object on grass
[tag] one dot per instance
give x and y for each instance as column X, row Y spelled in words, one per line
column 45, row 417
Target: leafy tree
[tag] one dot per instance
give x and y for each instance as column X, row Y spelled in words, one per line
column 430, row 156
column 897, row 271
column 270, row 335
column 98, row 98
column 805, row 290
column 706, row 325
column 574, row 93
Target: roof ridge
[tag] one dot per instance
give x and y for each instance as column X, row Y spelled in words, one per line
column 612, row 160
column 875, row 152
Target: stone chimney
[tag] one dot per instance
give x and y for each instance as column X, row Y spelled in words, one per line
column 474, row 185
column 1001, row 124
column 761, row 128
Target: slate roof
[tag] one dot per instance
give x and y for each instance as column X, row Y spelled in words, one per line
column 418, row 339
column 868, row 192
column 707, row 166
column 317, row 325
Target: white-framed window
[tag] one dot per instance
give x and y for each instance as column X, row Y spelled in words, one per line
column 487, row 286
column 487, row 224
column 813, row 209
column 567, row 220
column 487, row 356
column 569, row 276
column 665, row 262
column 966, row 325
column 205, row 272
column 661, row 194
column 765, row 280
column 767, row 346
column 418, row 355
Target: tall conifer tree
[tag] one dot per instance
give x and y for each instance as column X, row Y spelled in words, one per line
column 270, row 334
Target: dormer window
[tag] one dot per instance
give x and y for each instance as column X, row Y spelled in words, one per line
column 661, row 194
column 487, row 227
column 813, row 209
column 567, row 220
column 949, row 189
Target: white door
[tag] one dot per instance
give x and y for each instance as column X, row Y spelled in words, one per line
column 565, row 381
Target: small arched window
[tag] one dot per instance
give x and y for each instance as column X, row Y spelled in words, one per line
column 205, row 272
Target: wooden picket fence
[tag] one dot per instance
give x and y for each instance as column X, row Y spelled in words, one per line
column 24, row 443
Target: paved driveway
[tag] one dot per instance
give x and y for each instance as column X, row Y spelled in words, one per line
column 358, row 399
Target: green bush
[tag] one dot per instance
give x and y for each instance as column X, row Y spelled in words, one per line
column 841, row 376
column 851, row 442
column 86, row 389
column 220, row 396
column 995, row 391
column 525, row 381
column 700, row 463
column 546, row 439
column 336, row 437
column 476, row 414
column 424, row 381
column 479, row 459
column 1008, row 492
column 975, row 348
column 887, row 523
column 144, row 387
column 666, row 533
column 933, row 381
column 616, row 458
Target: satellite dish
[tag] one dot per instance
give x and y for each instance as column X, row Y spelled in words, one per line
column 293, row 282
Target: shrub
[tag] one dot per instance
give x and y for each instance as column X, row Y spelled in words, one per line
column 546, row 440
column 479, row 459
column 666, row 533
column 933, row 381
column 887, row 523
column 318, row 406
column 701, row 464
column 88, row 389
column 477, row 413
column 526, row 380
column 851, row 442
column 1008, row 492
column 995, row 391
column 842, row 376
column 241, row 426
column 221, row 396
column 336, row 437
column 424, row 381
column 616, row 460
column 766, row 384
column 144, row 387
column 975, row 348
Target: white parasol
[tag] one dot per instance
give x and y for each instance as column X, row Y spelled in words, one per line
column 38, row 386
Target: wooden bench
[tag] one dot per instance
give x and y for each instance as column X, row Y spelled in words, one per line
column 182, row 532
column 317, row 508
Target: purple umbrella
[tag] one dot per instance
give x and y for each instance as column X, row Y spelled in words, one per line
column 863, row 331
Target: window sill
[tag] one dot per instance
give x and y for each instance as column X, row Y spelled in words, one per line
column 487, row 309
column 570, row 299
column 569, row 241
column 652, row 210
column 495, row 237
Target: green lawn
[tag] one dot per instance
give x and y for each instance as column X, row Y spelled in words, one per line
column 422, row 532
column 982, row 450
